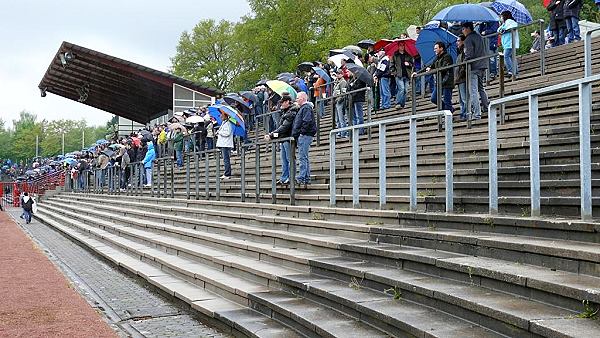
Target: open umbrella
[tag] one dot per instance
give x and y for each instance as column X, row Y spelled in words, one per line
column 176, row 125
column 361, row 73
column 285, row 77
column 322, row 74
column 102, row 141
column 281, row 87
column 177, row 119
column 261, row 83
column 194, row 119
column 108, row 152
column 305, row 66
column 353, row 49
column 235, row 117
column 114, row 146
column 69, row 161
column 518, row 10
column 412, row 32
column 333, row 52
column 391, row 46
column 233, row 99
column 365, row 43
column 466, row 13
column 337, row 59
column 427, row 40
column 248, row 95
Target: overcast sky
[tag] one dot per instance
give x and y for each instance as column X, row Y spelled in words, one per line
column 142, row 31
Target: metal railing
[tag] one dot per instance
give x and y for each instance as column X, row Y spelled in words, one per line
column 412, row 120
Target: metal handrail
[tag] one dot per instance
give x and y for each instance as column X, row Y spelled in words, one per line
column 412, row 119
column 585, row 107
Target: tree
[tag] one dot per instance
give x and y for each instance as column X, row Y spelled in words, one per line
column 209, row 54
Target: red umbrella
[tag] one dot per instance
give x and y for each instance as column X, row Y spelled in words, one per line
column 409, row 46
column 547, row 2
column 381, row 44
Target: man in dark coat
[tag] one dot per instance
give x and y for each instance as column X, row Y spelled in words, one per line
column 442, row 60
column 571, row 11
column 303, row 131
column 286, row 123
column 558, row 25
column 402, row 66
column 358, row 101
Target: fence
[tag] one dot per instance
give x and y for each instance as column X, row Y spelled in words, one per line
column 11, row 191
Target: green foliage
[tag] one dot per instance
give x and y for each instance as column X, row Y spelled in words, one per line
column 588, row 311
column 19, row 142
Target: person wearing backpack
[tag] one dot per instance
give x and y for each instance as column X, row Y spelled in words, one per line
column 27, row 207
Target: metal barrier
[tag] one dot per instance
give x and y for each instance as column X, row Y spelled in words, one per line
column 585, row 107
column 412, row 120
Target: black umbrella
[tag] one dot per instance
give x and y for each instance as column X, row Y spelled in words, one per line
column 366, row 43
column 261, row 83
column 361, row 73
column 333, row 52
column 108, row 152
column 285, row 77
column 305, row 66
column 250, row 96
column 233, row 99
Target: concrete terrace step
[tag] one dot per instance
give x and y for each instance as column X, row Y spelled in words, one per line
column 507, row 319
column 294, row 311
column 575, row 286
column 217, row 310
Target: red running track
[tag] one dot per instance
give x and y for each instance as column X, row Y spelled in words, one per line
column 36, row 300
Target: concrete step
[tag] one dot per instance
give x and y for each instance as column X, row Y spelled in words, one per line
column 505, row 319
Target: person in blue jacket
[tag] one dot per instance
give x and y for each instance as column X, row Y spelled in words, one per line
column 148, row 161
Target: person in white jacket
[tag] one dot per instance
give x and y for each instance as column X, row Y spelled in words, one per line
column 225, row 142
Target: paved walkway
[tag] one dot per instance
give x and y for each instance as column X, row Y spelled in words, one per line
column 35, row 298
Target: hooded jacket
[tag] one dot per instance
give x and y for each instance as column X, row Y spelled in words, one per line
column 150, row 156
column 286, row 123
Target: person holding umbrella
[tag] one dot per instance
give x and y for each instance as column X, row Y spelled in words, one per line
column 225, row 142
column 443, row 59
column 288, row 115
column 508, row 25
column 360, row 79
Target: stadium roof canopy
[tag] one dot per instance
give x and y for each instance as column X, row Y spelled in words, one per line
column 114, row 85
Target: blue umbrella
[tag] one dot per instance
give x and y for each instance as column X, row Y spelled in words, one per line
column 70, row 161
column 239, row 127
column 321, row 72
column 429, row 36
column 101, row 141
column 466, row 13
column 518, row 10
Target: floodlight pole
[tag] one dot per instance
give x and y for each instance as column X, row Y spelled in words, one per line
column 37, row 145
column 63, row 143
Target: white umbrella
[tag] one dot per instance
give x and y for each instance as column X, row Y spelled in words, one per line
column 178, row 113
column 337, row 60
column 412, row 32
column 194, row 119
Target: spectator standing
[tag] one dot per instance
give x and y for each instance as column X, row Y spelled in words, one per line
column 210, row 131
column 536, row 46
column 341, row 102
column 27, row 207
column 303, row 131
column 382, row 77
column 148, row 160
column 508, row 25
column 225, row 142
column 558, row 26
column 442, row 60
column 288, row 115
column 178, row 140
column 488, row 28
column 571, row 11
column 460, row 78
column 474, row 49
column 358, row 101
column 402, row 68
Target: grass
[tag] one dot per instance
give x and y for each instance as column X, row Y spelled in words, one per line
column 588, row 311
column 395, row 292
column 355, row 283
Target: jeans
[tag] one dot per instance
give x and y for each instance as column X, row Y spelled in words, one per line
column 27, row 215
column 304, row 142
column 462, row 98
column 474, row 93
column 446, row 98
column 179, row 154
column 384, row 89
column 210, row 144
column 493, row 62
column 511, row 65
column 148, row 176
column 226, row 152
column 402, row 89
column 322, row 108
column 340, row 115
column 429, row 82
column 482, row 94
column 286, row 149
column 358, row 117
column 559, row 36
column 81, row 180
column 573, row 32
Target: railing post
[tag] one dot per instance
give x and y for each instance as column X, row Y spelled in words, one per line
column 585, row 155
column 172, row 177
column 382, row 167
column 587, row 52
column 501, row 89
column 438, row 88
column 369, row 99
column 332, row 188
column 243, row 172
column 197, row 174
column 413, row 163
column 218, row 174
column 274, row 173
column 257, row 173
column 355, row 168
column 413, row 95
column 534, row 155
column 187, row 176
column 206, row 176
column 493, row 161
column 513, row 51
column 292, row 172
column 449, row 163
column 542, row 48
column 320, row 110
column 469, row 99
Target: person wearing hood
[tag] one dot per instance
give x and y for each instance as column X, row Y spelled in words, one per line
column 27, row 207
column 288, row 115
column 508, row 25
column 148, row 162
column 303, row 130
